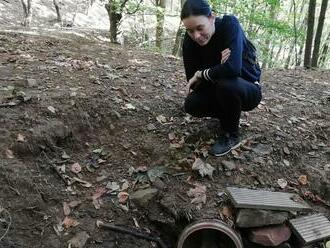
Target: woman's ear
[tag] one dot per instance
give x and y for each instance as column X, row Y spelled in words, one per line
column 212, row 18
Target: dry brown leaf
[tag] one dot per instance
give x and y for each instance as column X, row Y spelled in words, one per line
column 282, row 183
column 99, row 192
column 82, row 182
column 75, row 168
column 161, row 119
column 203, row 168
column 228, row 212
column 171, row 136
column 20, row 138
column 9, row 153
column 303, row 180
column 66, row 209
column 69, row 222
column 198, row 194
column 73, row 204
column 123, row 197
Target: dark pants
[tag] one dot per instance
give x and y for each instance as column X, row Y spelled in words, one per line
column 224, row 100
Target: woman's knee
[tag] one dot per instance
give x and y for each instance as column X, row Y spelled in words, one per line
column 192, row 106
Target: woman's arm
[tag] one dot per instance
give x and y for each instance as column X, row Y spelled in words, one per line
column 190, row 60
column 233, row 36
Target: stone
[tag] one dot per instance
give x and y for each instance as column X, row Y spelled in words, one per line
column 151, row 127
column 270, row 236
column 31, row 82
column 228, row 165
column 262, row 149
column 79, row 240
column 144, row 196
column 257, row 217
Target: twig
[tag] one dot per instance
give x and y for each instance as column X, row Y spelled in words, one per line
column 134, row 233
column 6, row 211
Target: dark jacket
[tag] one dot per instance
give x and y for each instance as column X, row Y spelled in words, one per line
column 228, row 34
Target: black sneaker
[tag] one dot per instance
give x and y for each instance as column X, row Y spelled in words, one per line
column 225, row 144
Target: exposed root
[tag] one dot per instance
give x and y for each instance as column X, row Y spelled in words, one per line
column 3, row 220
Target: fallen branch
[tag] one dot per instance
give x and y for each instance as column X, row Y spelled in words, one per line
column 138, row 234
column 7, row 212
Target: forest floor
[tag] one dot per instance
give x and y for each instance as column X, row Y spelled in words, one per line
column 82, row 120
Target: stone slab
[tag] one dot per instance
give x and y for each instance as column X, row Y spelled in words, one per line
column 262, row 199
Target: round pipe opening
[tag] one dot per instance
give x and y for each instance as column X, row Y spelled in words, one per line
column 209, row 234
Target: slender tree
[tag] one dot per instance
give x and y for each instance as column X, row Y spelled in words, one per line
column 325, row 49
column 310, row 33
column 318, row 35
column 58, row 10
column 177, row 48
column 160, row 15
column 116, row 10
column 27, row 9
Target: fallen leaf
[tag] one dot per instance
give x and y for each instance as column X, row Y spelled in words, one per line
column 75, row 168
column 161, row 119
column 141, row 169
column 282, row 183
column 83, row 183
column 99, row 192
column 98, row 151
column 123, row 197
column 73, row 204
column 69, row 222
column 303, row 180
column 203, row 168
column 65, row 155
column 20, row 138
column 9, row 153
column 171, row 136
column 66, row 209
column 130, row 106
column 198, row 194
column 227, row 212
column 79, row 240
column 113, row 186
column 286, row 150
column 286, row 162
column 51, row 109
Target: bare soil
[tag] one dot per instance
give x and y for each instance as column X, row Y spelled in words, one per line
column 109, row 108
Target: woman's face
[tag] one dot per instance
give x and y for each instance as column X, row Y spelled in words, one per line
column 200, row 28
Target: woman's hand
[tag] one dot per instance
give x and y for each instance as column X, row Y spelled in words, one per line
column 194, row 81
column 225, row 55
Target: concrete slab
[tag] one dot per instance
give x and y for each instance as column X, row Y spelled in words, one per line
column 312, row 228
column 262, row 199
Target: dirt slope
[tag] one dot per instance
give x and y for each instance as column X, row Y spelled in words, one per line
column 118, row 113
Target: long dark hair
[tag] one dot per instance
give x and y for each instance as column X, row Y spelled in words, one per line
column 195, row 8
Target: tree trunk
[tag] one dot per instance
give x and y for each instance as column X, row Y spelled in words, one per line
column 115, row 16
column 177, row 48
column 318, row 34
column 310, row 33
column 58, row 10
column 27, row 12
column 325, row 50
column 160, row 15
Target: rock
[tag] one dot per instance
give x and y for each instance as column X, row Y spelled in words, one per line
column 270, row 236
column 228, row 165
column 31, row 82
column 151, row 127
column 79, row 240
column 143, row 197
column 257, row 217
column 262, row 149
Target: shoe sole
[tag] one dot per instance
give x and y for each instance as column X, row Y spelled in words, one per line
column 233, row 148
